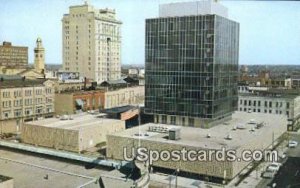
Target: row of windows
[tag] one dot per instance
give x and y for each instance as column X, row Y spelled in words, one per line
column 28, row 111
column 176, row 120
column 27, row 102
column 269, row 104
column 265, row 111
column 7, row 94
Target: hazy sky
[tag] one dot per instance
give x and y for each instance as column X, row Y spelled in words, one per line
column 269, row 30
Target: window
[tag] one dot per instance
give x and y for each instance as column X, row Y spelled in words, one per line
column 18, row 113
column 173, row 120
column 258, row 103
column 191, row 122
column 266, row 103
column 163, row 119
column 183, row 120
column 6, row 114
column 287, row 105
column 270, row 104
column 156, row 118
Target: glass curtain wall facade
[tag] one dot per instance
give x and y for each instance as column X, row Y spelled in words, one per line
column 191, row 66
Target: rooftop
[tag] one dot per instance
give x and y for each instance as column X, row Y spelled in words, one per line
column 74, row 122
column 241, row 128
column 274, row 93
column 203, row 7
column 119, row 109
column 12, row 83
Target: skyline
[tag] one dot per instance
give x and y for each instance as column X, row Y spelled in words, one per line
column 272, row 39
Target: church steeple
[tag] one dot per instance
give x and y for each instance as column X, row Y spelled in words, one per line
column 39, row 56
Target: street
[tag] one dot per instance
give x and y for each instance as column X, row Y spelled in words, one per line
column 289, row 173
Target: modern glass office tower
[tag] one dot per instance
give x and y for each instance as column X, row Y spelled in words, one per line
column 191, row 69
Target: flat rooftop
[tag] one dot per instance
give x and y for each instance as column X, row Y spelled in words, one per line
column 30, row 170
column 241, row 128
column 76, row 122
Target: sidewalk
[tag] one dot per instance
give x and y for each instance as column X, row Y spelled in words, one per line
column 254, row 177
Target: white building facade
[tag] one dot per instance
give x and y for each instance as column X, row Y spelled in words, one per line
column 92, row 43
column 281, row 104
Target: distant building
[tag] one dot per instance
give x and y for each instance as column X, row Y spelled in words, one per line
column 77, row 133
column 191, row 75
column 92, row 43
column 295, row 79
column 13, row 59
column 142, row 73
column 24, row 100
column 245, row 131
column 70, row 102
column 133, row 71
column 13, row 56
column 272, row 101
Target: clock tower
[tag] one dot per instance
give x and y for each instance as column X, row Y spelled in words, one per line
column 39, row 57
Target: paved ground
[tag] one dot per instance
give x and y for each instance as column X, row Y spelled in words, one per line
column 31, row 171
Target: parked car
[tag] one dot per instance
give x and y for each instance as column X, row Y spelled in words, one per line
column 268, row 174
column 292, row 144
column 273, row 167
column 283, row 156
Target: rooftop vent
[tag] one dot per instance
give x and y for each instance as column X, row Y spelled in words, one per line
column 240, row 126
column 141, row 134
column 64, row 117
column 252, row 121
column 208, row 135
column 159, row 129
column 228, row 137
column 260, row 125
column 174, row 134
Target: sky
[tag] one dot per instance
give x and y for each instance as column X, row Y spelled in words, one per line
column 269, row 30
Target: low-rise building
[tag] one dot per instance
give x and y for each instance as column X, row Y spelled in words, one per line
column 70, row 102
column 124, row 96
column 245, row 131
column 272, row 101
column 77, row 133
column 133, row 71
column 24, row 100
